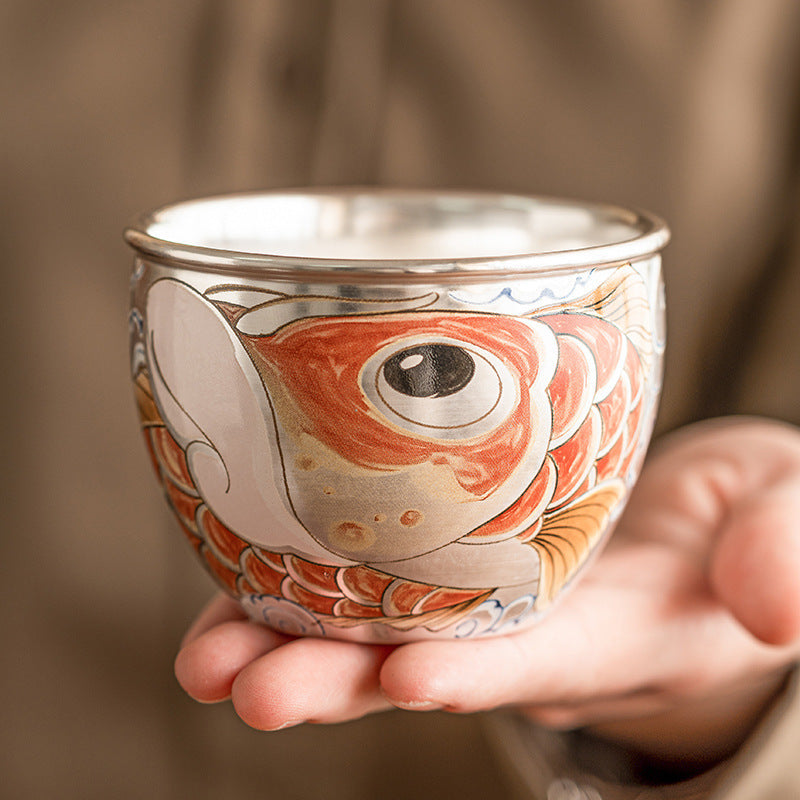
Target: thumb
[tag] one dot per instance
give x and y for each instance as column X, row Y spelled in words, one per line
column 755, row 566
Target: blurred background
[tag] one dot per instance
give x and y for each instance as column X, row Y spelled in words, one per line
column 687, row 109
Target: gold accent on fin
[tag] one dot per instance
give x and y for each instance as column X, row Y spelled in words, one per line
column 621, row 299
column 568, row 534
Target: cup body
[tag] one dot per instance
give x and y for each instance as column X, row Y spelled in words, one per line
column 386, row 416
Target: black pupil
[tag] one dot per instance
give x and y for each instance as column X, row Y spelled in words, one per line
column 429, row 370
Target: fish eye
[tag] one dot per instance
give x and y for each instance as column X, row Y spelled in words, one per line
column 429, row 370
column 439, row 388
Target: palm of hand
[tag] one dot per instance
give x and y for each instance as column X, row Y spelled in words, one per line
column 692, row 613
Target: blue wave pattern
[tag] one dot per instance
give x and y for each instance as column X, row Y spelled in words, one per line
column 525, row 296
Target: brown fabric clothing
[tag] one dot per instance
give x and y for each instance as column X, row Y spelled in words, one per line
column 556, row 766
column 687, row 109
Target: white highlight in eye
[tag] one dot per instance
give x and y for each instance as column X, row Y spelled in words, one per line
column 411, row 361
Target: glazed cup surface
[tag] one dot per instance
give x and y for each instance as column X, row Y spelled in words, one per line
column 387, row 416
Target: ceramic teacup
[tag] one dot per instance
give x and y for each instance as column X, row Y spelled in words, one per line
column 389, row 415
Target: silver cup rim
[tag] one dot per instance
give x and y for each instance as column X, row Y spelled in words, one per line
column 649, row 234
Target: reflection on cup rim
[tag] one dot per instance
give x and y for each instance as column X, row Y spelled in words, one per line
column 368, row 234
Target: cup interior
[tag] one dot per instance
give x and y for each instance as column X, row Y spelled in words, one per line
column 381, row 225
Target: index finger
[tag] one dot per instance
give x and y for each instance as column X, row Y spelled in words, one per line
column 218, row 610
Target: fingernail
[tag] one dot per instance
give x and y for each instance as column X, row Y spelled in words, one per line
column 291, row 723
column 416, row 705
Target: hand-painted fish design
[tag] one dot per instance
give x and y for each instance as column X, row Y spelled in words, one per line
column 429, row 458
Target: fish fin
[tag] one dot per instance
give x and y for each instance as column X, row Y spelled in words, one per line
column 567, row 536
column 621, row 299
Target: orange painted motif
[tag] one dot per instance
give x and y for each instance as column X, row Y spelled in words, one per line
column 331, row 352
column 596, row 404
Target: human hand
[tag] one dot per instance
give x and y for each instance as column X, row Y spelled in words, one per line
column 671, row 643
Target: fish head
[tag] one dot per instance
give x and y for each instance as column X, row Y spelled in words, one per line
column 400, row 433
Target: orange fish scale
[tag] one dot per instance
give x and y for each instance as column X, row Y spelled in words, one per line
column 533, row 499
column 171, row 457
column 573, row 386
column 608, row 465
column 634, row 421
column 576, row 456
column 587, row 485
column 402, row 596
column 442, row 598
column 225, row 544
column 275, row 559
column 364, row 585
column 148, row 441
column 243, row 586
column 262, row 576
column 225, row 576
column 184, row 505
column 607, row 343
column 313, row 602
column 348, row 608
column 531, row 531
column 613, row 410
column 318, row 578
column 195, row 541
